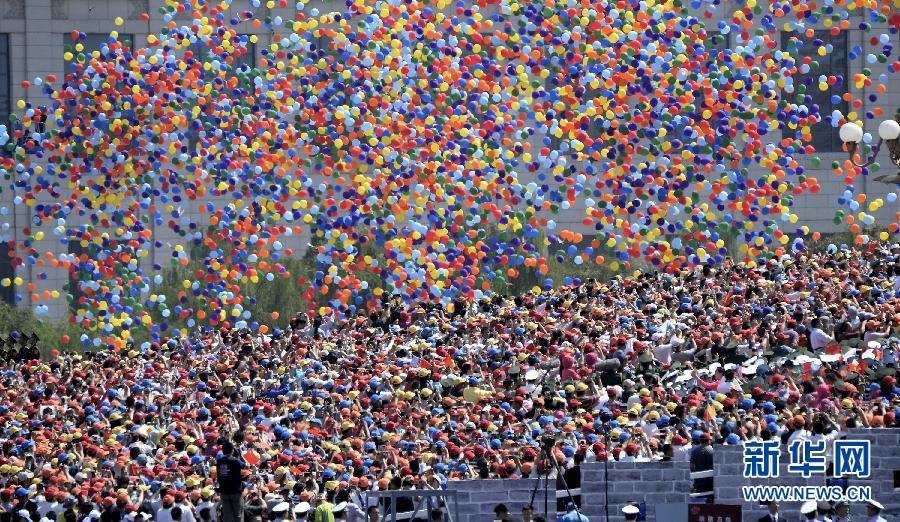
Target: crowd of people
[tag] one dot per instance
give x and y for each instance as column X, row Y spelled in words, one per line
column 307, row 421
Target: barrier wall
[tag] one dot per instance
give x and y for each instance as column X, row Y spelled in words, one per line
column 657, row 483
column 885, row 462
column 650, row 482
column 477, row 498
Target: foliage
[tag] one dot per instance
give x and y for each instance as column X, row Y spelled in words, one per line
column 50, row 332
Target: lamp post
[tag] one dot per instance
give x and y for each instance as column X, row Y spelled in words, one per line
column 888, row 132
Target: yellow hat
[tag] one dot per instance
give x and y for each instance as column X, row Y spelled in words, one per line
column 228, row 382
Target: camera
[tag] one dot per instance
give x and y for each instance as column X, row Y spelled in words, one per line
column 548, row 442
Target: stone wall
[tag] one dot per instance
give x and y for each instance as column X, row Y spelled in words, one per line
column 885, row 460
column 651, row 482
column 477, row 498
column 659, row 483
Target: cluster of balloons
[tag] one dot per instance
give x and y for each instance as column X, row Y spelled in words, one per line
column 429, row 144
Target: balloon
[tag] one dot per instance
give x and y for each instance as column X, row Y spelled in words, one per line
column 435, row 152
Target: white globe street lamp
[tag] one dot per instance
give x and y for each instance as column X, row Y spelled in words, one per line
column 888, row 132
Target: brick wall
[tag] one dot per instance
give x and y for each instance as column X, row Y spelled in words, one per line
column 659, row 483
column 885, row 459
column 477, row 498
column 651, row 482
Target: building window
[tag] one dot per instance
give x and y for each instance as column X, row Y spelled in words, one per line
column 551, row 87
column 825, row 136
column 7, row 293
column 5, row 80
column 323, row 49
column 92, row 42
column 201, row 53
column 5, row 91
column 75, row 249
column 716, row 42
column 248, row 58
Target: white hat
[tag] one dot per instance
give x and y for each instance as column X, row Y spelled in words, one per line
column 301, row 508
column 531, row 375
column 631, row 509
column 281, row 507
column 875, row 504
column 809, row 506
column 830, row 358
column 339, row 507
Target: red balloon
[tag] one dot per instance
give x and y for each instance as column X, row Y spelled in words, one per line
column 65, row 339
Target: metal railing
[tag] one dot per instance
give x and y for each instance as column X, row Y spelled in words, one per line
column 418, row 494
column 701, row 475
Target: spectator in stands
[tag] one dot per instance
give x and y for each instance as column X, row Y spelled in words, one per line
column 702, row 460
column 416, row 396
